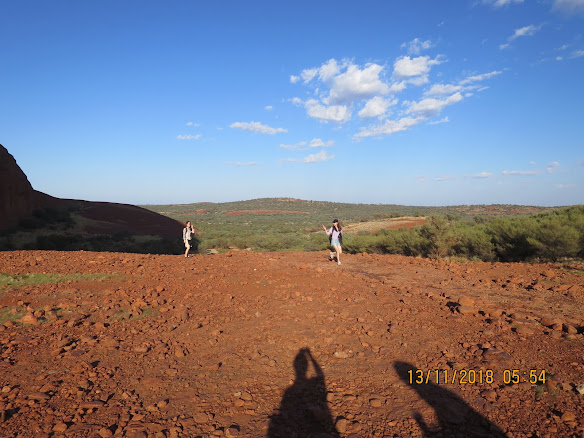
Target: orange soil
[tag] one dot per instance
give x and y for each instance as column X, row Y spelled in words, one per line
column 289, row 344
column 392, row 224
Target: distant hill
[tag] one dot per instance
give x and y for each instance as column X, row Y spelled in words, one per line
column 30, row 219
column 309, row 211
column 275, row 224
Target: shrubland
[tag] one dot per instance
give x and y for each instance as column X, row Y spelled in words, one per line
column 505, row 233
column 549, row 236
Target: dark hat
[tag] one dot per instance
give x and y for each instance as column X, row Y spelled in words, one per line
column 335, row 221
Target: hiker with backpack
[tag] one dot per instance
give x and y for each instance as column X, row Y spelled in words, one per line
column 336, row 237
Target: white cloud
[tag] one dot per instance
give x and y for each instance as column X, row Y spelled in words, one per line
column 376, row 107
column 519, row 172
column 300, row 146
column 431, row 107
column 303, row 146
column 525, row 31
column 504, row 46
column 478, row 78
column 481, row 175
column 406, row 67
column 318, row 157
column 294, row 79
column 551, row 167
column 565, row 186
column 532, row 163
column 501, row 3
column 568, row 7
column 334, row 113
column 308, row 74
column 442, row 89
column 388, row 127
column 355, row 84
column 269, row 108
column 437, row 122
column 240, row 164
column 257, row 127
column 188, row 137
column 193, row 124
column 318, row 143
column 312, row 158
column 416, row 46
column 396, row 87
column 328, row 70
column 577, row 54
column 341, row 87
column 444, row 178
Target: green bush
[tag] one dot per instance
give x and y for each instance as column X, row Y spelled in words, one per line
column 440, row 240
column 474, row 243
column 510, row 238
column 554, row 238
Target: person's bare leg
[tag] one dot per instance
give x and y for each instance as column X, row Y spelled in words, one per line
column 187, row 250
column 339, row 252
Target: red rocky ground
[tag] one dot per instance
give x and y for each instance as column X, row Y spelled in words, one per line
column 289, row 345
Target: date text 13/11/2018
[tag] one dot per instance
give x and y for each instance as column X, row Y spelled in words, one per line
column 474, row 377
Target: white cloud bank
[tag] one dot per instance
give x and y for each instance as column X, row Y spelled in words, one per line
column 388, row 127
column 416, row 46
column 342, row 88
column 432, row 107
column 257, row 127
column 407, row 68
column 552, row 166
column 334, row 113
column 376, row 107
column 312, row 158
column 481, row 175
column 188, row 137
column 526, row 31
column 519, row 172
column 303, row 146
column 501, row 3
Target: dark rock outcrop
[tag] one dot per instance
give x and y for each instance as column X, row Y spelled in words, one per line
column 17, row 197
column 18, row 200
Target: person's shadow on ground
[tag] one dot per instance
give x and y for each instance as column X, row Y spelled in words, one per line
column 303, row 412
column 455, row 416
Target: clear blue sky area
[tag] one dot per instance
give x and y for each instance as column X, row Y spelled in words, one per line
column 418, row 102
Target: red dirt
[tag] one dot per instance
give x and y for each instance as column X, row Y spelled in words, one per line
column 240, row 212
column 386, row 224
column 288, row 344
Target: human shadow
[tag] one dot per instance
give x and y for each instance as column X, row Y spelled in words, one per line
column 455, row 416
column 304, row 412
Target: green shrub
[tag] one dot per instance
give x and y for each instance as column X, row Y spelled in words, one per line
column 554, row 239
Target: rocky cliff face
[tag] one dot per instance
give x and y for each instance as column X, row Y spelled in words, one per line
column 18, row 200
column 17, row 197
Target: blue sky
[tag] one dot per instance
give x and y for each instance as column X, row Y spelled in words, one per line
column 407, row 102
